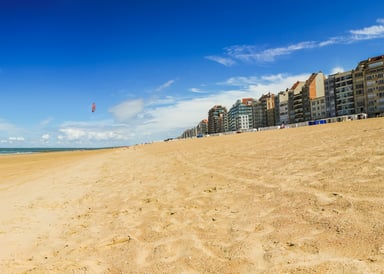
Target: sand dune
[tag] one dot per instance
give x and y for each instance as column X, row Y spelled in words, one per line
column 303, row 200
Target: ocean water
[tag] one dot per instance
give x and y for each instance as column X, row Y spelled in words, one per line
column 25, row 150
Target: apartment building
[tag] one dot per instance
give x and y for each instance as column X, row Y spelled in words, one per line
column 318, row 109
column 282, row 107
column 202, row 127
column 217, row 119
column 259, row 114
column 346, row 93
column 330, row 102
column 198, row 131
column 344, row 98
column 268, row 106
column 368, row 85
column 312, row 89
column 298, row 107
column 294, row 90
column 240, row 115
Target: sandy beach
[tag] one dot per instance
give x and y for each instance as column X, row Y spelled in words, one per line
column 296, row 200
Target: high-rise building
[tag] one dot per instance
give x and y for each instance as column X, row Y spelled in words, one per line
column 240, row 115
column 318, row 109
column 298, row 107
column 292, row 107
column 330, row 102
column 282, row 107
column 202, row 127
column 217, row 119
column 344, row 99
column 259, row 114
column 368, row 84
column 268, row 105
column 312, row 89
column 200, row 130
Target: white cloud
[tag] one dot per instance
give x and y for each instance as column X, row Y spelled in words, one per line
column 127, row 110
column 86, row 136
column 272, row 82
column 165, row 85
column 253, row 54
column 45, row 137
column 240, row 81
column 372, row 32
column 337, row 69
column 221, row 60
column 73, row 133
column 250, row 53
column 332, row 41
column 18, row 138
column 93, row 134
column 167, row 100
column 196, row 90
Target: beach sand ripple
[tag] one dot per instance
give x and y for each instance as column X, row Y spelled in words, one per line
column 303, row 200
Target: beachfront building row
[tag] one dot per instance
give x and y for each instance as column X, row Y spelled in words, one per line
column 200, row 130
column 360, row 90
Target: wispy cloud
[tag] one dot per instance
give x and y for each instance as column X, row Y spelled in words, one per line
column 126, row 110
column 226, row 61
column 367, row 33
column 240, row 81
column 165, row 85
column 196, row 90
column 17, row 138
column 45, row 136
column 167, row 100
column 86, row 136
column 253, row 54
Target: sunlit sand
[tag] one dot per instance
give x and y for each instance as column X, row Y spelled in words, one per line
column 296, row 200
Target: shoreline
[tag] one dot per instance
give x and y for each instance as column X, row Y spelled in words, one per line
column 32, row 150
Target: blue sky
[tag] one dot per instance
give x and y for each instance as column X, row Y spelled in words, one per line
column 155, row 68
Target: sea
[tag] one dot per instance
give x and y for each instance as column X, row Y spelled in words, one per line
column 26, row 150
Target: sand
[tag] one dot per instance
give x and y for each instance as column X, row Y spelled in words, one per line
column 296, row 200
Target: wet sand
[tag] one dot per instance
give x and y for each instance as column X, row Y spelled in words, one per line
column 296, row 200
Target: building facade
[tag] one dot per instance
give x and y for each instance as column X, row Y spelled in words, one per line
column 240, row 115
column 330, row 102
column 318, row 109
column 368, row 83
column 217, row 119
column 202, row 127
column 268, row 106
column 311, row 90
column 343, row 89
column 358, row 92
column 259, row 114
column 293, row 108
column 282, row 100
